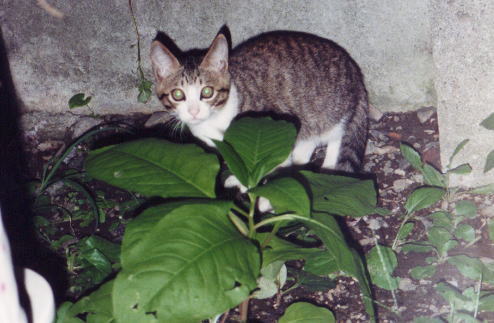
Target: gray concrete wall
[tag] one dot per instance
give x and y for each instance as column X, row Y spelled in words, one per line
column 90, row 49
column 463, row 37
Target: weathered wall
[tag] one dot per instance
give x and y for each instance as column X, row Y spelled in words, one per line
column 91, row 49
column 463, row 40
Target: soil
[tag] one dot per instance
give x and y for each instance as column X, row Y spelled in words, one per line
column 395, row 179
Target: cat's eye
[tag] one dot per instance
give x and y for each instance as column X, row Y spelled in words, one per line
column 207, row 92
column 178, row 95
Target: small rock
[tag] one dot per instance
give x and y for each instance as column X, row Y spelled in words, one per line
column 374, row 113
column 401, row 184
column 374, row 224
column 406, row 285
column 50, row 145
column 425, row 114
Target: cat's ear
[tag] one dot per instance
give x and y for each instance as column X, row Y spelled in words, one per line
column 163, row 61
column 216, row 58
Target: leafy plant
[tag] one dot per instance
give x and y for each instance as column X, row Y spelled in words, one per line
column 449, row 228
column 197, row 255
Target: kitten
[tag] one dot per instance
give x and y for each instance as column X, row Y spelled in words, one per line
column 308, row 77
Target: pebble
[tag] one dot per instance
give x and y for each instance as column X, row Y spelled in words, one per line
column 399, row 185
column 425, row 114
column 406, row 284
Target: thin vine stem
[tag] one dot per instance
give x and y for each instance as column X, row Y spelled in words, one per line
column 138, row 36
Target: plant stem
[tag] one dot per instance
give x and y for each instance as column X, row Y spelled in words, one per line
column 252, row 228
column 405, row 220
column 271, row 235
column 138, row 36
column 244, row 310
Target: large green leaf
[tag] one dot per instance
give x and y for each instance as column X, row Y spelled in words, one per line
column 338, row 257
column 261, row 143
column 302, row 312
column 192, row 264
column 341, row 195
column 234, row 161
column 411, row 155
column 155, row 167
column 286, row 194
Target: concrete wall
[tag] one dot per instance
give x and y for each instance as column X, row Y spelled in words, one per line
column 90, row 49
column 463, row 37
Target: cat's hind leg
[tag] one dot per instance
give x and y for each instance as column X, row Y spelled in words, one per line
column 333, row 139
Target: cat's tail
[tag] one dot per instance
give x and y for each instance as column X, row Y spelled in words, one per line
column 354, row 140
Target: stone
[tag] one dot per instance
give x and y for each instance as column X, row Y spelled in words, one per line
column 424, row 114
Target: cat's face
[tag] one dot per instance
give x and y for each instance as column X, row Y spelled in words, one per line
column 193, row 91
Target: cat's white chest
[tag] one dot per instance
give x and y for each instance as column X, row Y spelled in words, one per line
column 215, row 126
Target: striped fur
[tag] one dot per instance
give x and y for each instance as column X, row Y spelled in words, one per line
column 301, row 75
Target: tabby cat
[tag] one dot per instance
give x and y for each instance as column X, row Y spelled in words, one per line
column 302, row 75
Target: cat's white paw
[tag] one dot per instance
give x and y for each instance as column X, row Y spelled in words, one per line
column 263, row 205
column 232, row 182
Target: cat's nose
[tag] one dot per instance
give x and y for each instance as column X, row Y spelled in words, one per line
column 193, row 111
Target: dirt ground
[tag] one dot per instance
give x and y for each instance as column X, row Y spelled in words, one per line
column 395, row 179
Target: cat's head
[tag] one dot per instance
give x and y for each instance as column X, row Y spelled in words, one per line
column 192, row 89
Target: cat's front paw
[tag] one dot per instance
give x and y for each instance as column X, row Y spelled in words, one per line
column 233, row 182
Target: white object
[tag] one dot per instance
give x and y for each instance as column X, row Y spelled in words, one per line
column 38, row 289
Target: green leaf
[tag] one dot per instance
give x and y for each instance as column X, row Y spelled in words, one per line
column 453, row 296
column 98, row 305
column 490, row 227
column 422, row 272
column 65, row 315
column 155, row 167
column 301, row 312
column 381, row 262
column 412, row 156
column 101, row 265
column 234, row 161
column 285, row 194
column 442, row 219
column 281, row 250
column 189, row 263
column 488, row 122
column 337, row 257
column 79, row 100
column 311, row 282
column 405, row 230
column 465, row 232
column 425, row 319
column 273, row 278
column 466, row 208
column 433, row 177
column 489, row 162
column 463, row 169
column 413, row 247
column 458, row 148
column 341, row 195
column 438, row 236
column 261, row 143
column 145, row 91
column 423, row 197
column 485, row 189
column 108, row 249
column 472, row 268
column 486, row 303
